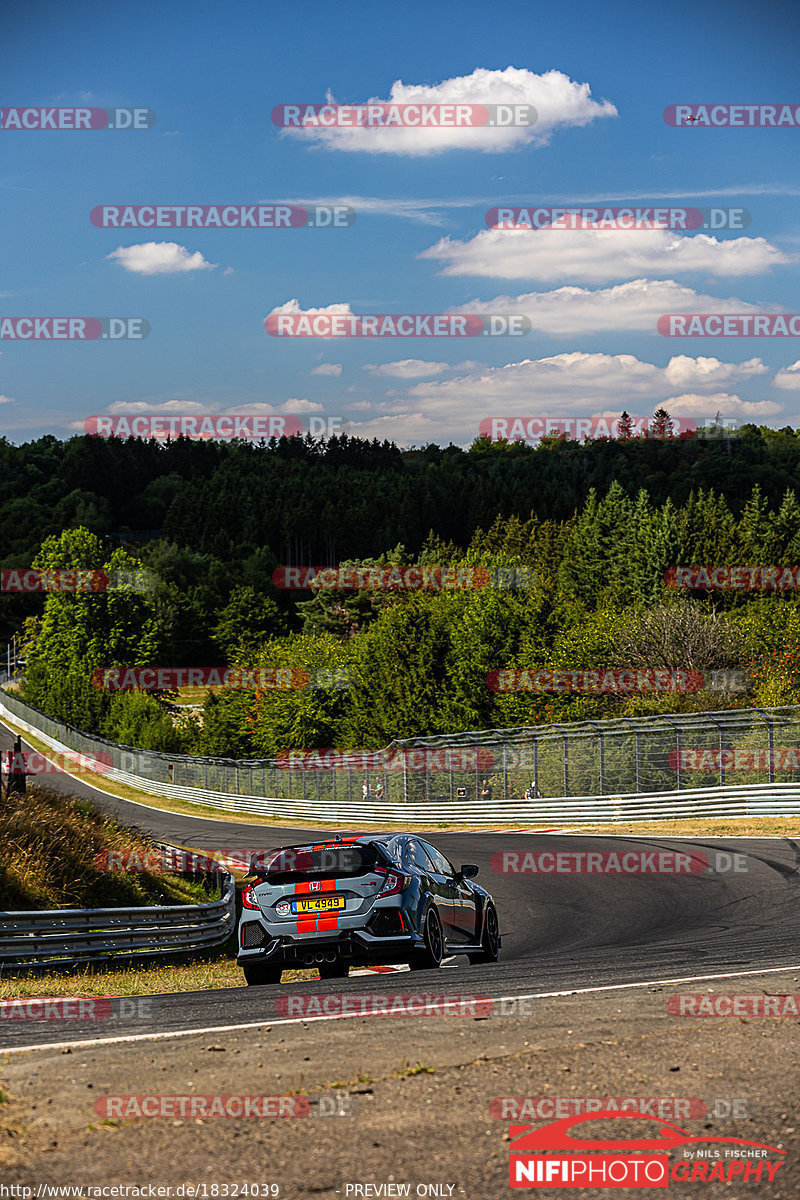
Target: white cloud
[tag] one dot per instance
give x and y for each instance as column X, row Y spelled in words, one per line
column 561, row 385
column 682, row 370
column 293, row 405
column 7, row 400
column 634, row 305
column 165, row 406
column 159, row 258
column 725, row 403
column 558, row 100
column 327, row 369
column 407, row 368
column 595, row 255
column 293, row 306
column 788, row 377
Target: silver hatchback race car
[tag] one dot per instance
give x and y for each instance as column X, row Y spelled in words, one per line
column 361, row 901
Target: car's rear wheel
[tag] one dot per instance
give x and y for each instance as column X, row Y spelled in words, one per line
column 257, row 974
column 433, row 938
column 490, row 940
column 334, row 970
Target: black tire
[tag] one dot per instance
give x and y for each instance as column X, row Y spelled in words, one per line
column 431, row 957
column 334, row 970
column 257, row 974
column 490, row 940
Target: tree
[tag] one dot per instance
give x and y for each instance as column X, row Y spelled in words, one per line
column 246, row 621
column 662, row 425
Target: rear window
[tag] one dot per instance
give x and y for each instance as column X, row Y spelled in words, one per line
column 318, row 862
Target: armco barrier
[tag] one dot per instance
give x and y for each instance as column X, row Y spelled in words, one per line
column 71, row 935
column 154, row 773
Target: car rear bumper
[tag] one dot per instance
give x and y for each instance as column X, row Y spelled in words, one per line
column 300, row 951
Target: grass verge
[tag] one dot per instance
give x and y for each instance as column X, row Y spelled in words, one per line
column 51, row 844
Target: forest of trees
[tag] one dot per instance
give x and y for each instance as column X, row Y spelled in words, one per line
column 597, row 525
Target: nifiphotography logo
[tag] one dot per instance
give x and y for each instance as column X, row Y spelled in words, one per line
column 549, row 1156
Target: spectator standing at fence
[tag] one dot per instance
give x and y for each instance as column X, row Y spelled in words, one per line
column 486, row 790
column 365, row 789
column 379, row 790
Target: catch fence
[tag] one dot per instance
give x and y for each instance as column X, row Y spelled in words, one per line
column 470, row 772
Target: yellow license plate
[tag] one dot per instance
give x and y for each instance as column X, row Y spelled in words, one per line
column 319, row 904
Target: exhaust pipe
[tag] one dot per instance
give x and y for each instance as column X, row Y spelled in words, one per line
column 319, row 958
column 330, row 957
column 308, row 959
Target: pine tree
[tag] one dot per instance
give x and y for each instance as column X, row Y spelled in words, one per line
column 661, row 425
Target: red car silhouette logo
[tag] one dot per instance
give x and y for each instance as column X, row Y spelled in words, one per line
column 556, row 1136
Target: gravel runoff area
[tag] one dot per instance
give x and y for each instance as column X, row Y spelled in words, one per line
column 399, row 1100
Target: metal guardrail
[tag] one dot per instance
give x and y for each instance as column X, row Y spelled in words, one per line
column 63, row 936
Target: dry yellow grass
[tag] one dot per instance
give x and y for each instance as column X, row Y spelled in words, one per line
column 52, row 857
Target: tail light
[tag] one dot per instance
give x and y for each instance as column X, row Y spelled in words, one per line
column 394, row 883
column 248, row 900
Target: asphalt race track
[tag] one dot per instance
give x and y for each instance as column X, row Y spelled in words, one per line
column 561, row 932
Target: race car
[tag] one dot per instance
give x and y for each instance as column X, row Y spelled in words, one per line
column 361, row 901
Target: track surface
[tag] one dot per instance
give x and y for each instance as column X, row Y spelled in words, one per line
column 560, row 932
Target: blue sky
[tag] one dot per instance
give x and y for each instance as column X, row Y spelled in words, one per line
column 213, row 73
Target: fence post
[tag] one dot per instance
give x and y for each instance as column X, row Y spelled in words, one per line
column 594, row 725
column 714, row 721
column 677, row 729
column 638, row 733
column 770, row 742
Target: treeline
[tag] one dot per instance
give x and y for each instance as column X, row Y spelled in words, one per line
column 596, row 596
column 301, row 500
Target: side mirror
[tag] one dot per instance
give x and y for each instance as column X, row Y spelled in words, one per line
column 468, row 871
